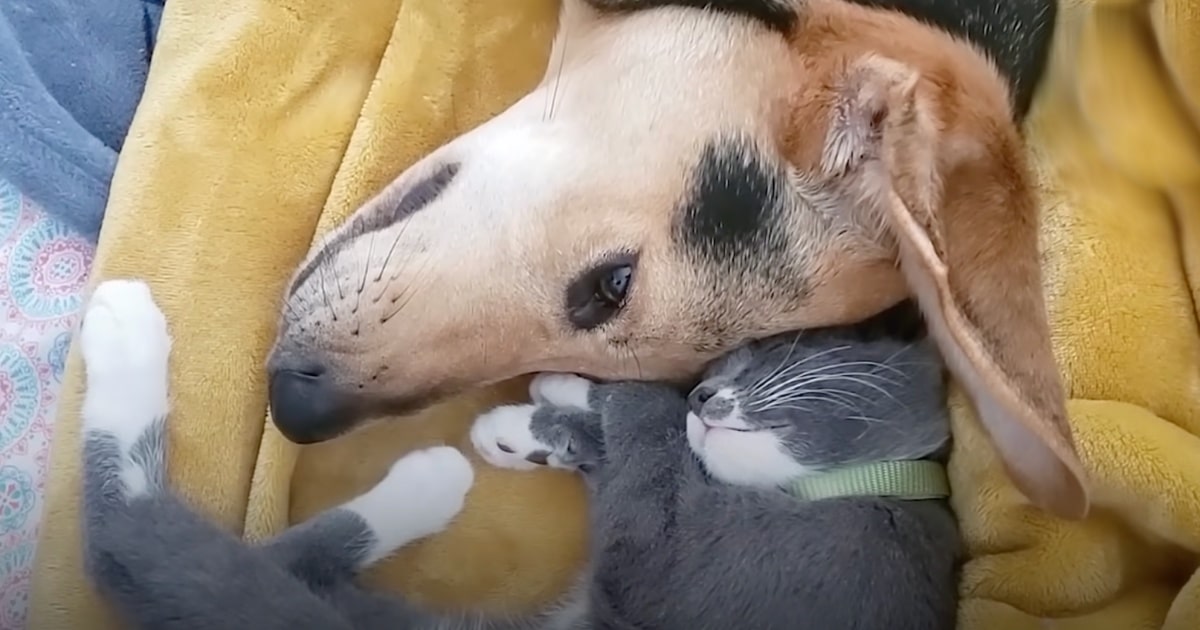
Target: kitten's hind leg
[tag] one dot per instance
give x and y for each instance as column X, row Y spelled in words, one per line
column 125, row 347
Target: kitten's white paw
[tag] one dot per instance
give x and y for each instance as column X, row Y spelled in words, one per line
column 421, row 494
column 125, row 348
column 560, row 390
column 503, row 438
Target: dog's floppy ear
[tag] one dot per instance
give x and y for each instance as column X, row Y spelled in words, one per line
column 967, row 241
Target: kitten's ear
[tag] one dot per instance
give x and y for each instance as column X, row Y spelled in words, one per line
column 973, row 265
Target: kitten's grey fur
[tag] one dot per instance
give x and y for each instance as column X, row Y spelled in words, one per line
column 673, row 548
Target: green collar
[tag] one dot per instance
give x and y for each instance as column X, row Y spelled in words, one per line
column 906, row 480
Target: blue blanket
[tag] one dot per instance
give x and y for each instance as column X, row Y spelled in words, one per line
column 71, row 75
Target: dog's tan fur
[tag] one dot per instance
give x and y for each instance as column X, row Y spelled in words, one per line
column 898, row 146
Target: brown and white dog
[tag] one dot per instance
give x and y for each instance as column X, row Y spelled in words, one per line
column 693, row 174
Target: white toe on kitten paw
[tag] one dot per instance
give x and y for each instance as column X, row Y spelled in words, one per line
column 560, row 390
column 420, row 495
column 125, row 348
column 503, row 438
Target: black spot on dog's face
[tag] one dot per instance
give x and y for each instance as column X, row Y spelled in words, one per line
column 777, row 15
column 414, row 199
column 732, row 218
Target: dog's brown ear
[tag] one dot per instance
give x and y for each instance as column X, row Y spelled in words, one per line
column 967, row 241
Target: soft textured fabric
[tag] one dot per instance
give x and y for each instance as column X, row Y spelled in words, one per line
column 43, row 270
column 1118, row 133
column 71, row 74
column 261, row 118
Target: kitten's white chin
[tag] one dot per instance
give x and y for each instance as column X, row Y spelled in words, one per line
column 742, row 458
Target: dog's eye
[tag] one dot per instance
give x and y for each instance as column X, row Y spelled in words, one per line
column 600, row 292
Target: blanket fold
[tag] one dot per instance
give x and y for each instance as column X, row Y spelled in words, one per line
column 266, row 123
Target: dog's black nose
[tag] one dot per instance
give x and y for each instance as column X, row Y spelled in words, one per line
column 700, row 395
column 306, row 405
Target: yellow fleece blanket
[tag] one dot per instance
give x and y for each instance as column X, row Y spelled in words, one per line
column 265, row 123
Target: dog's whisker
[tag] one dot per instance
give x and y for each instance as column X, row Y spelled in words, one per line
column 483, row 339
column 414, row 287
column 558, row 76
column 325, row 296
column 636, row 362
column 401, row 266
column 362, row 283
column 290, row 314
column 391, row 250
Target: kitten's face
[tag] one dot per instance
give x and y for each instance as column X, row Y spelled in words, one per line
column 795, row 404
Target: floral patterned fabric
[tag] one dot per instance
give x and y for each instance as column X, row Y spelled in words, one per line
column 43, row 272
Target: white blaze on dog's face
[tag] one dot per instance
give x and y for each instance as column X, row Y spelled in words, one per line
column 681, row 181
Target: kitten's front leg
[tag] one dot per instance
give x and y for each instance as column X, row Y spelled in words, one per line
column 125, row 346
column 573, row 415
column 559, row 430
column 420, row 495
column 642, row 420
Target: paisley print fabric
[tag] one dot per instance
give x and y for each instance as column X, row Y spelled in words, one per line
column 43, row 272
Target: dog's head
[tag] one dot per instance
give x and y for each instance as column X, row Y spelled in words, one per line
column 685, row 179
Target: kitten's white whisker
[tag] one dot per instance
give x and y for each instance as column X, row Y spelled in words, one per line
column 817, row 355
column 778, row 368
column 802, row 388
column 787, row 376
column 810, row 376
column 834, row 396
column 855, row 378
column 801, row 409
column 849, row 398
column 866, row 419
column 825, row 368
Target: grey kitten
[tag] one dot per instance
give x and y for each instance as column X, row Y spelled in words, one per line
column 689, row 526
